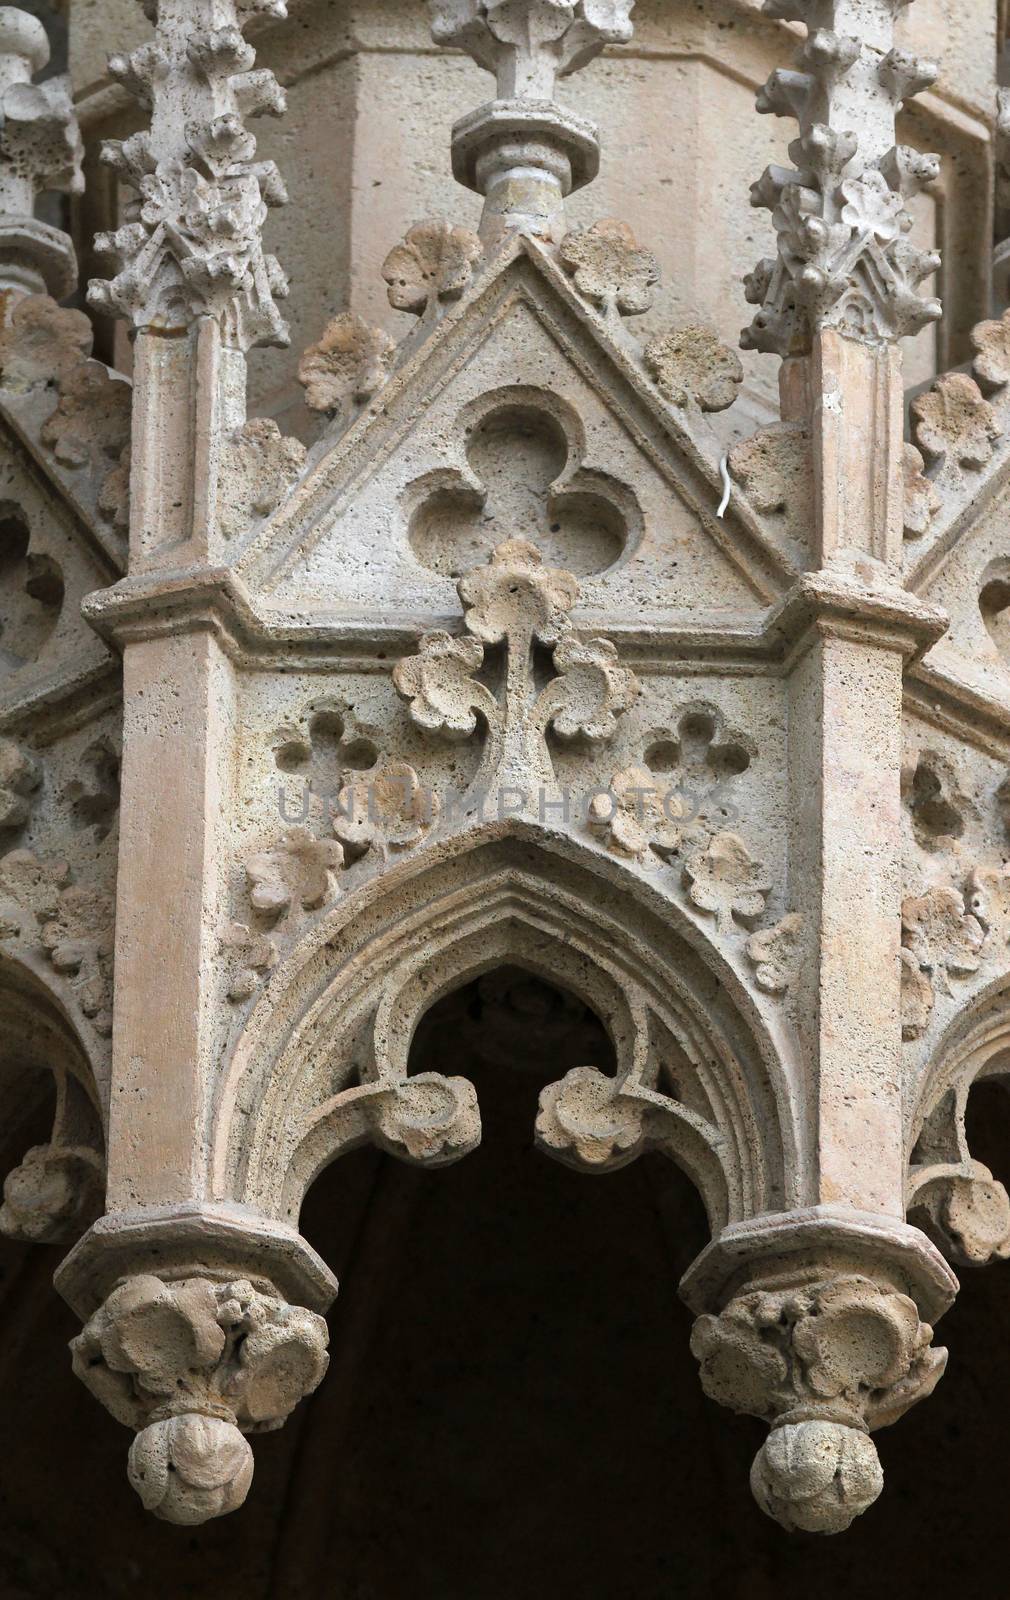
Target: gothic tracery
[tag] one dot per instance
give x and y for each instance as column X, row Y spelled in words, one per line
column 708, row 728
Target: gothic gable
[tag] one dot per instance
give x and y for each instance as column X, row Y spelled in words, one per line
column 519, row 415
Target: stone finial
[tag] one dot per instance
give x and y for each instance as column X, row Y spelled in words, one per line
column 844, row 260
column 40, row 149
column 523, row 152
column 193, row 1365
column 192, row 243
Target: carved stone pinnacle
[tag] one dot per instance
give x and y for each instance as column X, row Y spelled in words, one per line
column 523, row 152
column 40, row 149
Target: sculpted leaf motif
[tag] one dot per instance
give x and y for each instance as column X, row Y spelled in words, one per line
column 917, row 997
column 921, row 498
column 252, row 955
column 53, row 1193
column 429, row 1118
column 91, row 424
column 775, row 467
column 347, row 366
column 974, row 1213
column 691, row 366
column 538, row 39
column 80, row 939
column 991, row 342
column 609, row 267
column 434, row 262
column 299, row 875
column 262, row 464
column 29, row 887
column 383, row 810
column 515, row 592
column 638, row 815
column 954, row 422
column 585, row 1115
column 871, row 206
column 943, row 937
column 19, row 779
column 776, row 953
column 438, row 683
column 41, row 343
column 593, row 689
column 726, row 881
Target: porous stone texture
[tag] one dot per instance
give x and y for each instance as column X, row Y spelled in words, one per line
column 529, row 649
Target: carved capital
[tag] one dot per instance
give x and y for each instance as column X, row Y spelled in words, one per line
column 824, row 1362
column 194, row 1365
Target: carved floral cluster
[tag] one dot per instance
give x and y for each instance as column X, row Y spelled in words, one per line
column 195, row 1364
column 841, row 216
column 681, row 817
column 823, row 1362
column 517, row 601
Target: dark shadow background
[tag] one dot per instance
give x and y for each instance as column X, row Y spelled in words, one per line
column 511, row 1408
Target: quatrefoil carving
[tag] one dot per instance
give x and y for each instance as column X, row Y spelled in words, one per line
column 524, row 478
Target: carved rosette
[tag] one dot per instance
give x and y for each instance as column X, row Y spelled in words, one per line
column 194, row 1365
column 841, row 216
column 192, row 244
column 824, row 1363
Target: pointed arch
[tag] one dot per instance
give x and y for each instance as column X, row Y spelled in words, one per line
column 364, row 975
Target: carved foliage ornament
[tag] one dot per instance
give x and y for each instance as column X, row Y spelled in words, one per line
column 844, row 259
column 433, row 263
column 194, row 1365
column 192, row 244
column 528, row 44
column 517, row 602
column 823, row 1363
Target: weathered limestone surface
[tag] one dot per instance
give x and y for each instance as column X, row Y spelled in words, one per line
column 544, row 639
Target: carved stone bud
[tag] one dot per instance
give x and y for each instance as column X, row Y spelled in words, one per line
column 193, row 1365
column 816, row 1476
column 188, row 1469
